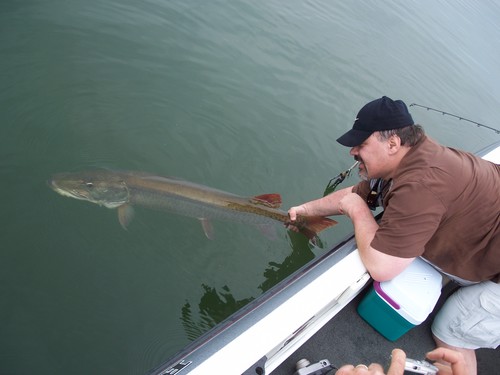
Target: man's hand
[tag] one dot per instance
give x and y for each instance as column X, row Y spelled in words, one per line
column 397, row 366
column 292, row 214
column 350, row 203
column 295, row 211
column 451, row 361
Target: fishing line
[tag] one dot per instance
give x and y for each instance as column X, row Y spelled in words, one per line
column 458, row 117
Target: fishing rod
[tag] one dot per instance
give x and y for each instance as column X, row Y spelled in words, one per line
column 452, row 115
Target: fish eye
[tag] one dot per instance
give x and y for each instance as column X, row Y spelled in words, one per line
column 89, row 185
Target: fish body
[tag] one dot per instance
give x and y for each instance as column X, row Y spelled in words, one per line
column 124, row 190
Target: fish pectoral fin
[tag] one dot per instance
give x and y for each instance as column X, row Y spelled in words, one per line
column 268, row 200
column 125, row 215
column 208, row 228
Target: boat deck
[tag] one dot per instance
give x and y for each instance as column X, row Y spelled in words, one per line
column 347, row 338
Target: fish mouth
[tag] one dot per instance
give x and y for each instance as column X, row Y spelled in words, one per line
column 53, row 185
column 65, row 192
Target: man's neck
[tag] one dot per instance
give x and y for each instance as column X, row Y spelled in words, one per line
column 395, row 161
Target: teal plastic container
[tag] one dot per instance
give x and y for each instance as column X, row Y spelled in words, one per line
column 381, row 316
column 394, row 307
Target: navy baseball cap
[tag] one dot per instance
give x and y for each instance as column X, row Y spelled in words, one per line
column 379, row 114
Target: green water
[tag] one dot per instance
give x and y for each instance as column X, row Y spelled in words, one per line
column 247, row 97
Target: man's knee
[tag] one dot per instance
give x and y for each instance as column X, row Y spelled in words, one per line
column 470, row 318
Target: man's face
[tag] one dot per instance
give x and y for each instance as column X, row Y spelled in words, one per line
column 373, row 157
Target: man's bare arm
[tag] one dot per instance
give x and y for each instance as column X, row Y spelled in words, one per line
column 381, row 266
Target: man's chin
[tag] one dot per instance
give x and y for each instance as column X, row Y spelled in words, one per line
column 363, row 176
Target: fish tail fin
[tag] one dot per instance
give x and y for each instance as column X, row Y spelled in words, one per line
column 312, row 225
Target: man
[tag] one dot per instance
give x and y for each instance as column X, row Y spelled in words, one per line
column 439, row 203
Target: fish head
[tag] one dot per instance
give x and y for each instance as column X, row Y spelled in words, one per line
column 100, row 187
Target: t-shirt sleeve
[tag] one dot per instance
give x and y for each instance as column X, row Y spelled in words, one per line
column 362, row 189
column 411, row 217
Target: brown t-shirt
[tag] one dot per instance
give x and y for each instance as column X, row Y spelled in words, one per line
column 444, row 205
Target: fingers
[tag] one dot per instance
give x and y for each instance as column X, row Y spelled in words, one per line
column 398, row 359
column 350, row 203
column 445, row 354
column 454, row 358
column 397, row 366
column 443, row 369
column 373, row 369
column 292, row 214
column 345, row 370
column 294, row 211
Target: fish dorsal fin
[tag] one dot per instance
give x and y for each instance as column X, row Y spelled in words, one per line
column 268, row 200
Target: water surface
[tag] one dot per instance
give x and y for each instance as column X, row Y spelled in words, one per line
column 241, row 96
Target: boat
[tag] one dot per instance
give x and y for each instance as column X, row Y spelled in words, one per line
column 294, row 320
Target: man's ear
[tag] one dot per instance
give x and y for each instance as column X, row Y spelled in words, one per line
column 394, row 143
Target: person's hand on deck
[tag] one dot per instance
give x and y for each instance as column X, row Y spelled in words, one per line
column 451, row 361
column 397, row 366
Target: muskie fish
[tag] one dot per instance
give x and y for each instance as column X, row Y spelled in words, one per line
column 123, row 190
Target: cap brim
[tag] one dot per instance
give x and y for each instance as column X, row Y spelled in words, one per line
column 353, row 138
